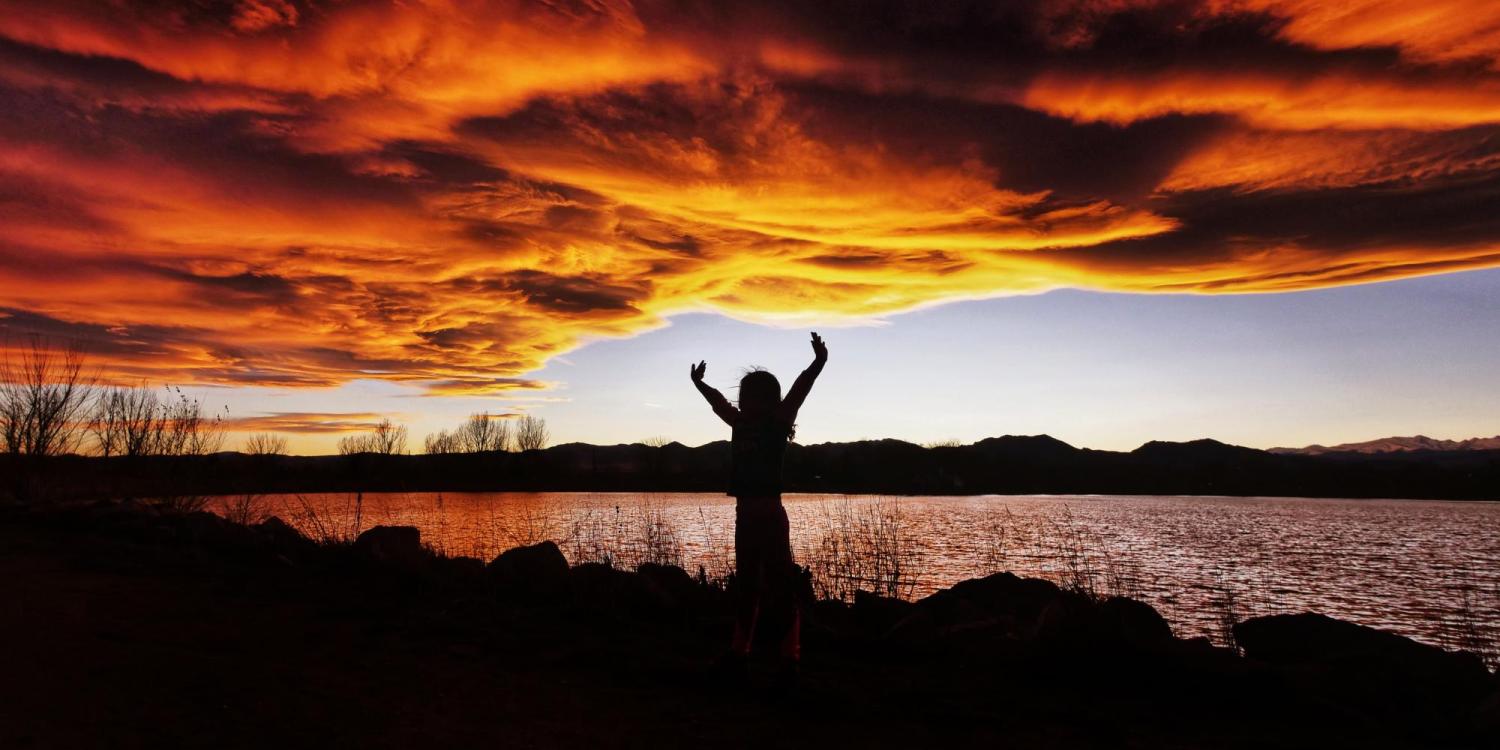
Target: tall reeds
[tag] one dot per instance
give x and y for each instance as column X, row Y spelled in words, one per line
column 327, row 521
column 625, row 538
column 863, row 546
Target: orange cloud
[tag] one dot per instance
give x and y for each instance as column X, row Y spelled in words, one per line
column 1294, row 102
column 1432, row 30
column 306, row 422
column 447, row 194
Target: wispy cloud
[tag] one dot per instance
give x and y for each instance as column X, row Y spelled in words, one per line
column 306, row 422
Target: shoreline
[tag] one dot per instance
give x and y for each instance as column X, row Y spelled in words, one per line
column 524, row 645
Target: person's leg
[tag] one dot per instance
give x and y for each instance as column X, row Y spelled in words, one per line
column 779, row 559
column 749, row 575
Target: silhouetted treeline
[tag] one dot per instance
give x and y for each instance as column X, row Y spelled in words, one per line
column 1006, row 465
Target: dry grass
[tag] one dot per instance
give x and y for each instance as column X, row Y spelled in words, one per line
column 624, row 538
column 994, row 536
column 244, row 509
column 328, row 522
column 1228, row 612
column 1079, row 560
column 716, row 564
column 1475, row 623
column 863, row 547
column 182, row 503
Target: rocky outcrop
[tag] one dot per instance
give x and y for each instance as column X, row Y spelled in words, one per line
column 392, row 545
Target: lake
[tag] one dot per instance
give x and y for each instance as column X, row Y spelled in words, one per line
column 1426, row 569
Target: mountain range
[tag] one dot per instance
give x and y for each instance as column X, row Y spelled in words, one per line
column 1397, row 445
column 1012, row 464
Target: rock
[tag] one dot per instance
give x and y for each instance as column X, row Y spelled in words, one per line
column 1001, row 602
column 874, row 615
column 394, row 545
column 538, row 569
column 1318, row 639
column 1379, row 670
column 281, row 536
column 998, row 594
column 285, row 544
column 1009, row 594
column 1114, row 625
column 670, row 585
column 1135, row 622
column 599, row 585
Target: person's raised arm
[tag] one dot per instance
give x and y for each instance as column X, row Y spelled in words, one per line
column 721, row 405
column 804, row 383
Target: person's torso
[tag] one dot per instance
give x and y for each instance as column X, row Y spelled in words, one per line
column 757, row 446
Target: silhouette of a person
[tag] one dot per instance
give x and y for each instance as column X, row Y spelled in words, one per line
column 765, row 574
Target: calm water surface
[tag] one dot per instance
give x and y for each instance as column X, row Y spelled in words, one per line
column 1429, row 570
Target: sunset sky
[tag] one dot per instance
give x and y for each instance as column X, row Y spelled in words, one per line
column 1263, row 221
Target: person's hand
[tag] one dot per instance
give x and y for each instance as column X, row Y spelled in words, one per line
column 696, row 371
column 820, row 350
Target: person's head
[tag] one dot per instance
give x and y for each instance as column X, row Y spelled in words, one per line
column 760, row 392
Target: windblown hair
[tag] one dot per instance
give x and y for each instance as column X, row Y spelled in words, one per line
column 760, row 385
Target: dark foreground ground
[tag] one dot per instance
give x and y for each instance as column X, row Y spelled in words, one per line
column 128, row 628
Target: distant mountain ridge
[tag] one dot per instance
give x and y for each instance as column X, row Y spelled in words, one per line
column 1011, row 464
column 1397, row 445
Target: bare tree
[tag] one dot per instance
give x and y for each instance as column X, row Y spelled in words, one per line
column 656, row 441
column 387, row 439
column 531, row 433
column 44, row 400
column 137, row 422
column 483, row 433
column 184, row 430
column 265, row 444
column 351, row 445
column 390, row 439
column 441, row 442
column 125, row 421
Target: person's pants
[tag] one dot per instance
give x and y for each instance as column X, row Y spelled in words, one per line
column 765, row 576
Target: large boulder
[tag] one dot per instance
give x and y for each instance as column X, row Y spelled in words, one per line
column 874, row 614
column 537, row 569
column 284, row 543
column 1310, row 638
column 1000, row 604
column 1355, row 664
column 392, row 545
column 1135, row 622
column 1077, row 622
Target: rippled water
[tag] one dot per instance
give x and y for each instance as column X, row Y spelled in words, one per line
column 1430, row 570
